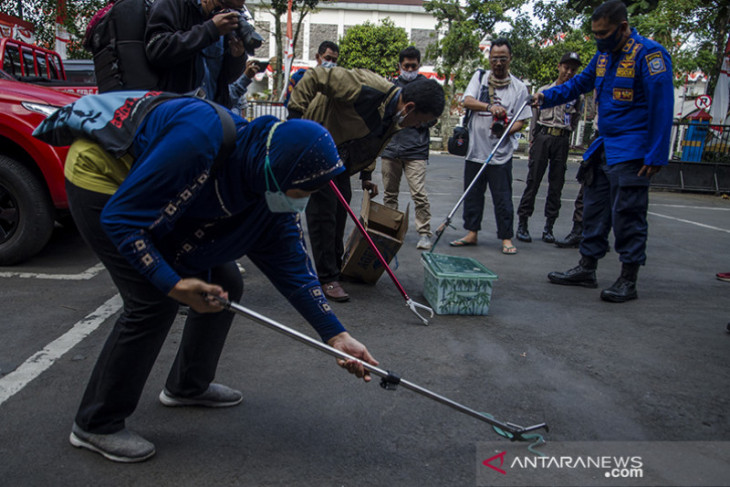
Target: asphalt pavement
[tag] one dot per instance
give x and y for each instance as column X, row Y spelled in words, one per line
column 650, row 370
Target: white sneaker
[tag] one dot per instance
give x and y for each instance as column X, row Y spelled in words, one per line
column 424, row 243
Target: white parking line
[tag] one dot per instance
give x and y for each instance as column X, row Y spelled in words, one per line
column 688, row 221
column 16, row 380
column 82, row 276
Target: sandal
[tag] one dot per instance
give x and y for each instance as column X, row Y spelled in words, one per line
column 461, row 243
column 509, row 249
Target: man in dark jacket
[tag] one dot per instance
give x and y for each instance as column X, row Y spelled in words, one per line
column 407, row 154
column 178, row 33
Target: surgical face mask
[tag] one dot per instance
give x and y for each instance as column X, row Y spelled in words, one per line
column 408, row 75
column 328, row 64
column 401, row 117
column 278, row 201
column 609, row 43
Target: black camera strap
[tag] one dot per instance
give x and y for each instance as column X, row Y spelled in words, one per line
column 229, row 136
column 468, row 113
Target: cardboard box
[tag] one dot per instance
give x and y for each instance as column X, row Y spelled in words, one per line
column 456, row 285
column 387, row 228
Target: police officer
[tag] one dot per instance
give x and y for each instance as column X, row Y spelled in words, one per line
column 550, row 132
column 632, row 76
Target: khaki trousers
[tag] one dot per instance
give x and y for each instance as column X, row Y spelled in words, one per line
column 415, row 171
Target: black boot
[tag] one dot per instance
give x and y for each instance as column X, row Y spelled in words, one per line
column 573, row 239
column 522, row 233
column 584, row 274
column 624, row 289
column 547, row 233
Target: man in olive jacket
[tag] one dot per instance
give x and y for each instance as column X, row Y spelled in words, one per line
column 362, row 111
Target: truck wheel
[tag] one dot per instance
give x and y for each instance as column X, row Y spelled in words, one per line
column 26, row 213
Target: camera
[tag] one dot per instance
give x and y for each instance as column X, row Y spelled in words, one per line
column 245, row 31
column 499, row 125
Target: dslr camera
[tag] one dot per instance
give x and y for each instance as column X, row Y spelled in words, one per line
column 252, row 40
column 499, row 125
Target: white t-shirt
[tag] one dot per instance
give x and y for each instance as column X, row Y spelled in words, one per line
column 481, row 140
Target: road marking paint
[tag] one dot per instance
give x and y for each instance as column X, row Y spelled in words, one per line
column 82, row 276
column 39, row 362
column 688, row 221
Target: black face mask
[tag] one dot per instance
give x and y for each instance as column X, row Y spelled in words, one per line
column 608, row 44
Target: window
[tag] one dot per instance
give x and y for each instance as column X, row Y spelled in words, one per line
column 55, row 66
column 42, row 68
column 28, row 63
column 11, row 63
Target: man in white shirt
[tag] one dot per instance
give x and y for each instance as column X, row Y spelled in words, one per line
column 494, row 98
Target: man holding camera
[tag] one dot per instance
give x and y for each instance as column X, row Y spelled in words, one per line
column 550, row 132
column 493, row 97
column 188, row 42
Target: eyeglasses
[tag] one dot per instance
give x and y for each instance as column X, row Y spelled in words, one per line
column 410, row 66
column 497, row 60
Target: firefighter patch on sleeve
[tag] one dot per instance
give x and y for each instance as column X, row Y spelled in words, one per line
column 655, row 63
column 623, row 94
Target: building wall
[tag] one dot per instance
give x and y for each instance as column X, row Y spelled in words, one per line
column 334, row 18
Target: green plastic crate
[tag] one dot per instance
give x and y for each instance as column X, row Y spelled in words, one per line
column 457, row 285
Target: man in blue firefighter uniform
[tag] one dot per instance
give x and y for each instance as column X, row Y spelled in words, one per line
column 632, row 76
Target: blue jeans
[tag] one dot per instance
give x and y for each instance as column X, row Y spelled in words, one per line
column 618, row 198
column 499, row 180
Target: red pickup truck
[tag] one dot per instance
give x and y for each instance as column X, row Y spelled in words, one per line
column 32, row 193
column 34, row 64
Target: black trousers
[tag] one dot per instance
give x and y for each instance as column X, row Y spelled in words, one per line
column 618, row 200
column 326, row 220
column 135, row 341
column 499, row 180
column 546, row 151
column 578, row 208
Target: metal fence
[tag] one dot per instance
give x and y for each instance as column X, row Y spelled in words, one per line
column 700, row 142
column 258, row 108
column 699, row 159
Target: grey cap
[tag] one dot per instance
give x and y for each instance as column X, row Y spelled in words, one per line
column 569, row 57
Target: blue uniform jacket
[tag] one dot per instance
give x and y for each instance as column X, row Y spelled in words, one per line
column 169, row 222
column 635, row 99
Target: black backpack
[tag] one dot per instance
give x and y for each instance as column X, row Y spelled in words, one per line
column 118, row 45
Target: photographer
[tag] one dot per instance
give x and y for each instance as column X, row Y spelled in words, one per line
column 494, row 97
column 192, row 44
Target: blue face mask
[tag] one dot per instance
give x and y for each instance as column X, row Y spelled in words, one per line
column 609, row 44
column 278, row 201
column 328, row 64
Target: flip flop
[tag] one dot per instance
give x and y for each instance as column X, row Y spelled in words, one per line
column 461, row 243
column 509, row 249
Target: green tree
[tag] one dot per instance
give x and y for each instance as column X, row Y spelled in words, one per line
column 461, row 27
column 694, row 32
column 278, row 9
column 373, row 47
column 42, row 14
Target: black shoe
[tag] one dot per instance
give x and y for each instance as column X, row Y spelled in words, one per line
column 572, row 240
column 523, row 234
column 577, row 276
column 548, row 237
column 622, row 290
